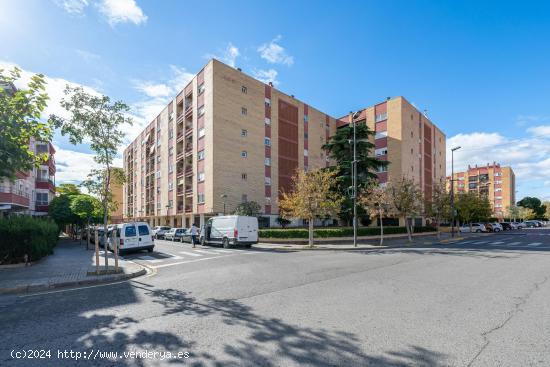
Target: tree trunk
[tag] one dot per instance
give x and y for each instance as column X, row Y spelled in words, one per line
column 96, row 243
column 381, row 230
column 438, row 224
column 408, row 229
column 310, row 225
column 105, row 212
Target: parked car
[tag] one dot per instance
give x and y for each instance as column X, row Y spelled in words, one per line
column 174, row 234
column 530, row 224
column 539, row 223
column 230, row 230
column 520, row 225
column 497, row 227
column 476, row 227
column 131, row 237
column 159, row 231
column 488, row 227
column 508, row 226
column 100, row 232
column 186, row 236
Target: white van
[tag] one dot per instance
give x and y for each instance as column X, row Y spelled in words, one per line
column 133, row 236
column 230, row 230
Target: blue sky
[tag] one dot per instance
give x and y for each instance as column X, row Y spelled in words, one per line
column 481, row 69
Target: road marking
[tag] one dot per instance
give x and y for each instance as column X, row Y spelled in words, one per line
column 206, row 252
column 224, row 251
column 204, row 258
column 150, row 259
column 513, row 244
column 189, row 253
column 496, row 243
column 534, row 244
column 479, row 242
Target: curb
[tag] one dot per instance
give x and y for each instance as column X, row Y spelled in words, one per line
column 36, row 287
column 321, row 240
column 294, row 249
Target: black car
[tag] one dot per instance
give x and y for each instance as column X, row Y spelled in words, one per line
column 506, row 226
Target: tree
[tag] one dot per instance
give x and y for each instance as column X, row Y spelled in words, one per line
column 83, row 207
column 249, row 208
column 20, row 111
column 340, row 149
column 283, row 222
column 533, row 203
column 512, row 212
column 482, row 210
column 438, row 207
column 526, row 213
column 377, row 201
column 465, row 205
column 98, row 120
column 68, row 189
column 313, row 197
column 60, row 211
column 406, row 200
column 546, row 205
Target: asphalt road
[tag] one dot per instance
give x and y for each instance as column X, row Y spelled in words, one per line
column 482, row 301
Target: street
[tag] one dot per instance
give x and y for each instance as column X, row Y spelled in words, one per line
column 481, row 301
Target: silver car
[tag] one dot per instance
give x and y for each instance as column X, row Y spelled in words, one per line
column 475, row 227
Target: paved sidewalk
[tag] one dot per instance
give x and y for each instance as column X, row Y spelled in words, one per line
column 364, row 243
column 68, row 266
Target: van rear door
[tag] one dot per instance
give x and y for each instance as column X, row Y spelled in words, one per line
column 144, row 239
column 130, row 236
column 248, row 229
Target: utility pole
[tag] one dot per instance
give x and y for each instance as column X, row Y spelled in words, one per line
column 354, row 176
column 453, row 191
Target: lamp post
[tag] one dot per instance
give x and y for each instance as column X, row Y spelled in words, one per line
column 223, row 196
column 353, row 116
column 453, row 191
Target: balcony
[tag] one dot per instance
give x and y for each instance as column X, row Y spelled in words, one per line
column 42, row 183
column 179, row 119
column 189, row 208
column 189, row 191
column 179, row 192
column 9, row 195
column 189, row 110
column 179, row 137
column 180, row 208
column 41, row 206
column 179, row 156
column 189, row 171
column 188, row 151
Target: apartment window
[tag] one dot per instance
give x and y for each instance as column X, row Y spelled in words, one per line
column 306, row 153
column 412, row 134
column 380, row 134
column 497, row 182
column 267, row 102
column 267, row 181
column 157, row 174
column 267, row 201
column 267, row 161
column 200, row 89
column 200, row 155
column 381, row 151
column 200, row 198
column 244, row 132
column 267, row 142
column 498, row 197
column 171, row 151
column 244, row 198
column 201, row 132
column 170, row 134
column 498, row 190
column 170, row 168
column 158, row 159
column 306, row 118
column 244, row 89
column 412, row 151
column 498, row 174
column 41, row 198
column 267, row 121
column 244, row 111
column 411, row 116
column 244, row 154
column 200, row 177
column 170, row 203
column 305, row 136
column 412, row 168
column 200, row 111
column 244, row 176
column 158, row 142
column 381, row 117
column 41, row 148
column 170, row 186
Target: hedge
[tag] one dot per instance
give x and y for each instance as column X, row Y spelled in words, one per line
column 335, row 232
column 22, row 234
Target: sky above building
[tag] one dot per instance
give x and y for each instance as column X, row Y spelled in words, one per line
column 480, row 70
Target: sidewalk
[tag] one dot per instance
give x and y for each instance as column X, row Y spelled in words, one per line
column 363, row 242
column 68, row 266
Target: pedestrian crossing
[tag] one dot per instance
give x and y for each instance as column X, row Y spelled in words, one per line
column 514, row 244
column 161, row 258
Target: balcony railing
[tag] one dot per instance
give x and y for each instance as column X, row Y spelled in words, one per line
column 12, row 195
column 188, row 208
column 189, row 171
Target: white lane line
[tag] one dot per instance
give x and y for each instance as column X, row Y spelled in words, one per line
column 225, row 251
column 534, row 244
column 479, row 242
column 496, row 243
column 189, row 253
column 206, row 252
column 204, row 258
column 150, row 259
column 513, row 243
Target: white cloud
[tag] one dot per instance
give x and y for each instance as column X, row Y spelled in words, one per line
column 73, row 167
column 153, row 90
column 87, row 55
column 230, row 54
column 274, row 53
column 529, row 156
column 73, row 7
column 122, row 11
column 266, row 76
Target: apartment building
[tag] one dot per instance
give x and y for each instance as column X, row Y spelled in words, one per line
column 227, row 138
column 405, row 137
column 496, row 182
column 31, row 191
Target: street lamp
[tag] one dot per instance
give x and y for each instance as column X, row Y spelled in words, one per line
column 453, row 190
column 223, row 196
column 353, row 116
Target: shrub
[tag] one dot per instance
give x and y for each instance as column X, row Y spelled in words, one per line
column 335, row 232
column 20, row 235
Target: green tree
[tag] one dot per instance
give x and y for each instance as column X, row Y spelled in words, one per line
column 340, row 149
column 313, row 197
column 438, row 207
column 535, row 204
column 526, row 213
column 98, row 120
column 249, row 208
column 483, row 210
column 512, row 212
column 20, row 111
column 546, row 205
column 83, row 206
column 283, row 222
column 377, row 201
column 60, row 211
column 68, row 189
column 406, row 200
